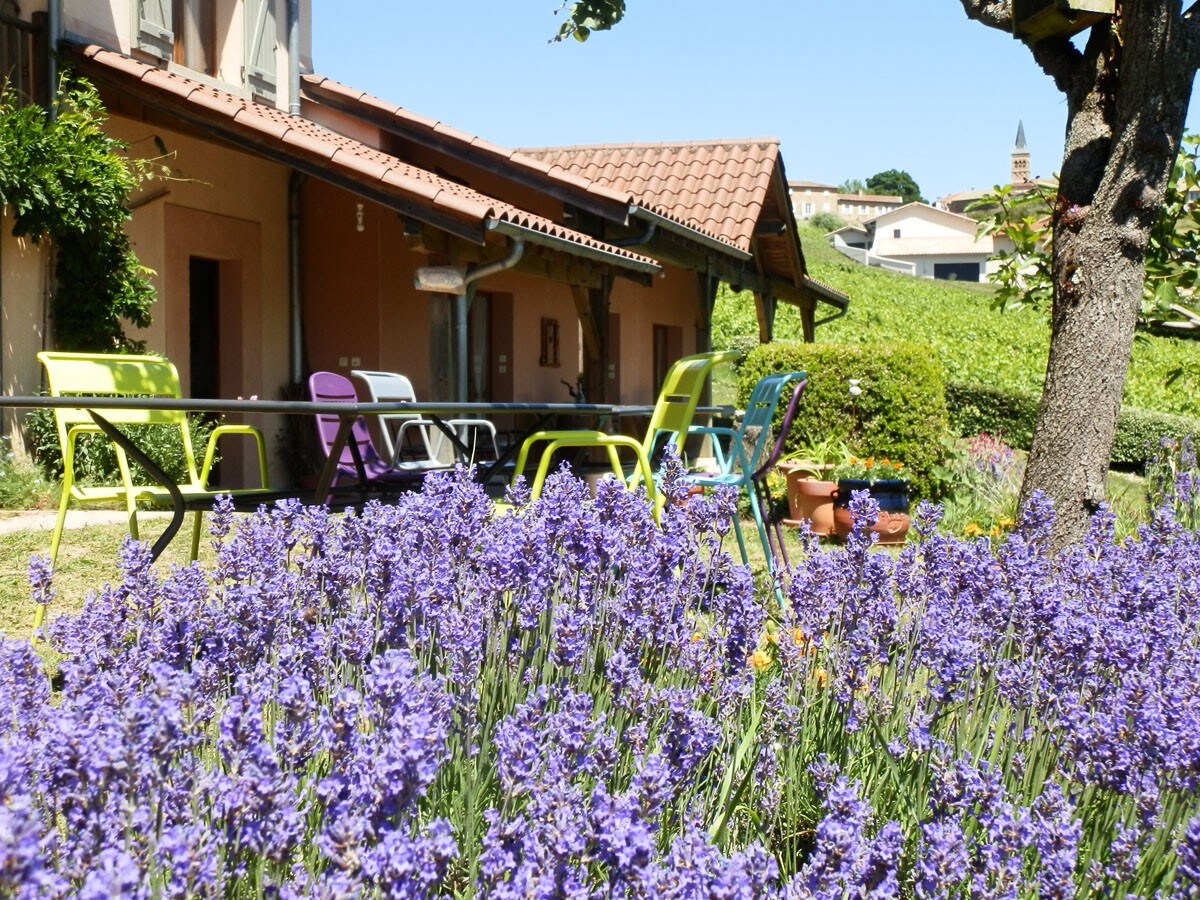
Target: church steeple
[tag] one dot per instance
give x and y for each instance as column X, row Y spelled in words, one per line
column 1020, row 157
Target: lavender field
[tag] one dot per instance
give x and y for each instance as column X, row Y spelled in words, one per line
column 429, row 699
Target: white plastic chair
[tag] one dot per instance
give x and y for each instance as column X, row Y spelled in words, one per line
column 388, row 387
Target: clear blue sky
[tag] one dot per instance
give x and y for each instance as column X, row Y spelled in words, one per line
column 850, row 87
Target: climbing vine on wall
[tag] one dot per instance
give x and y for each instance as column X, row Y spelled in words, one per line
column 64, row 179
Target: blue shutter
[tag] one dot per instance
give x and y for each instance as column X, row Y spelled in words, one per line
column 260, row 48
column 156, row 32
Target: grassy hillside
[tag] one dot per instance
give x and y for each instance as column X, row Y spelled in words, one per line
column 975, row 343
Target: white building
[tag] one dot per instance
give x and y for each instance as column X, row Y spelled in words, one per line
column 921, row 240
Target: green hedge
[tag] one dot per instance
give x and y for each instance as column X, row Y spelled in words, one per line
column 975, row 409
column 900, row 414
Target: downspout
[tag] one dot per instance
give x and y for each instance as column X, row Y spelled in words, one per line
column 53, row 34
column 295, row 295
column 462, row 305
column 293, row 38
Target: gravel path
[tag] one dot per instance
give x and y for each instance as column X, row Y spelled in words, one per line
column 43, row 519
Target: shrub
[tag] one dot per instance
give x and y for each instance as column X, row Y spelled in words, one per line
column 900, row 412
column 22, row 483
column 975, row 409
column 95, row 460
column 826, row 222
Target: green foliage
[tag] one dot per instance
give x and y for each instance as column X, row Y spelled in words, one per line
column 983, row 410
column 586, row 16
column 852, row 186
column 22, row 484
column 1024, row 276
column 895, row 182
column 1172, row 477
column 827, row 221
column 66, row 179
column 900, row 412
column 95, row 460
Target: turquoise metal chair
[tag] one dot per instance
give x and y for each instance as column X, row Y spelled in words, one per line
column 744, row 459
column 671, row 420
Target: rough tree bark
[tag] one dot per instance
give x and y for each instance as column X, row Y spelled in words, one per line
column 1127, row 94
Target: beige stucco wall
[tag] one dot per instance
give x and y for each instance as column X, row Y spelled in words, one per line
column 671, row 300
column 231, row 207
column 22, row 293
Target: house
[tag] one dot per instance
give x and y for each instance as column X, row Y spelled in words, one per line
column 810, row 198
column 922, row 240
column 309, row 225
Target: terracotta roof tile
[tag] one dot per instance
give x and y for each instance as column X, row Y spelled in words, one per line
column 232, row 116
column 717, row 187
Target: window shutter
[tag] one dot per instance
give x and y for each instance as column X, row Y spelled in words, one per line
column 156, row 32
column 260, row 48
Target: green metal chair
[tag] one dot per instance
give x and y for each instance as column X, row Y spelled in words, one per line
column 745, row 458
column 671, row 419
column 100, row 374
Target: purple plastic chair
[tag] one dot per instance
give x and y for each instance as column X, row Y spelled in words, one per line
column 330, row 387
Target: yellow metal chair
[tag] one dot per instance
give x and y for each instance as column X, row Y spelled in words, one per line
column 100, row 374
column 672, row 417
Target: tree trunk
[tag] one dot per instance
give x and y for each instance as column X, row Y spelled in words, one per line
column 1127, row 97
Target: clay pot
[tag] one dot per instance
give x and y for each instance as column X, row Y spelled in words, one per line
column 892, row 497
column 810, row 499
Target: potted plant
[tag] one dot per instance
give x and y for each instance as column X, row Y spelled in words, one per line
column 884, row 480
column 810, row 490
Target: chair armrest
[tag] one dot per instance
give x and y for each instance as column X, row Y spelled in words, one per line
column 589, row 439
column 245, row 430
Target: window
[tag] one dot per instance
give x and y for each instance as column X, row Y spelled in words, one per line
column 895, row 232
column 862, row 208
column 195, row 34
column 549, row 355
column 808, row 211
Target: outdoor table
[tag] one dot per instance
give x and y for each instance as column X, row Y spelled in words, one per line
column 347, row 414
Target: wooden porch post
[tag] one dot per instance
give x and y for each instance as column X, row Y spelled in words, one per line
column 764, row 305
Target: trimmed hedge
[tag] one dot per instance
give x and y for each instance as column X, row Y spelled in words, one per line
column 901, row 412
column 975, row 409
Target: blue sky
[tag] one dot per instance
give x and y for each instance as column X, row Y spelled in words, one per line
column 850, row 87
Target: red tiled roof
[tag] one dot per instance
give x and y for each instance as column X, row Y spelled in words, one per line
column 312, row 147
column 718, row 187
column 615, row 197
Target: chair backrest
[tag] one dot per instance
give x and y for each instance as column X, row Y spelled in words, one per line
column 755, row 430
column 389, row 387
column 116, row 375
column 384, row 387
column 679, row 397
column 331, row 387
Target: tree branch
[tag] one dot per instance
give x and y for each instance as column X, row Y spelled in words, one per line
column 992, row 13
column 1057, row 57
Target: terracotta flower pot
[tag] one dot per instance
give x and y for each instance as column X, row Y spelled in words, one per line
column 810, row 499
column 892, row 497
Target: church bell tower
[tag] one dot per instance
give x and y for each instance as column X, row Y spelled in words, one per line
column 1020, row 158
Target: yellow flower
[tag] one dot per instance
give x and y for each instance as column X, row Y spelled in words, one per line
column 972, row 530
column 821, row 677
column 772, row 638
column 760, row 660
column 1007, row 522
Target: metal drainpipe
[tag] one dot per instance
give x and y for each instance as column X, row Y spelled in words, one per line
column 295, row 306
column 462, row 304
column 293, row 29
column 53, row 34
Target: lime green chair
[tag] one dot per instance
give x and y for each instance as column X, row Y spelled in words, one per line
column 672, row 418
column 99, row 374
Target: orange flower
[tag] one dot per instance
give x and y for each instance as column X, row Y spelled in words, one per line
column 760, row 660
column 972, row 530
column 821, row 677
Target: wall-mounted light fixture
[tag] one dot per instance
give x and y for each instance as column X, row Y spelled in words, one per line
column 358, row 218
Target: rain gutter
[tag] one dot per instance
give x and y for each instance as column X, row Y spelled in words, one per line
column 533, row 236
column 691, row 234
